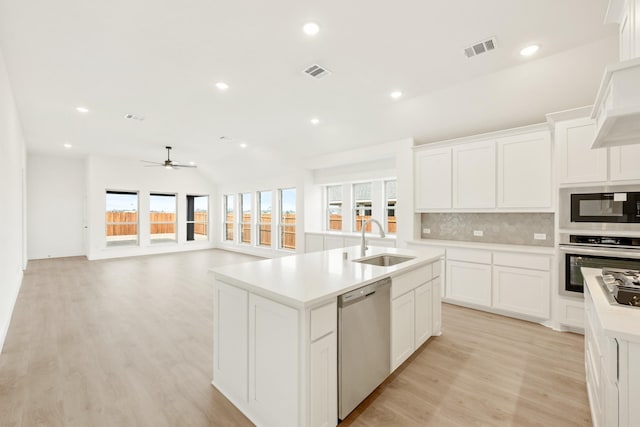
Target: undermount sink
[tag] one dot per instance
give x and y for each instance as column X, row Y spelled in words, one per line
column 384, row 260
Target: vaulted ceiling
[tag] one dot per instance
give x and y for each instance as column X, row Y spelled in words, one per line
column 161, row 59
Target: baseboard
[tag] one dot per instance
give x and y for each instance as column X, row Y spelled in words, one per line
column 7, row 321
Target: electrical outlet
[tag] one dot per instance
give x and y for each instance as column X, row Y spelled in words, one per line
column 426, row 231
column 478, row 233
column 539, row 236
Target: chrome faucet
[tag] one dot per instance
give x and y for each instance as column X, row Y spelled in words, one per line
column 364, row 247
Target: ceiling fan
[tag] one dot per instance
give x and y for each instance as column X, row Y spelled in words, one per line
column 169, row 164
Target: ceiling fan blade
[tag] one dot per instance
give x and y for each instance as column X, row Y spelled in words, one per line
column 176, row 165
column 155, row 163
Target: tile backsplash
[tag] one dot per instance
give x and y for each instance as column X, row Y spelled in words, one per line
column 509, row 228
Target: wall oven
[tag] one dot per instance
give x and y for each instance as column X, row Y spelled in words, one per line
column 595, row 251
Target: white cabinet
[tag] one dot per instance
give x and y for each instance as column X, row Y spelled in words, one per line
column 524, row 171
column 273, row 362
column 313, row 243
column 323, row 380
column 415, row 311
column 402, row 328
column 474, row 175
column 432, row 179
column 624, row 162
column 333, row 242
column 576, row 161
column 469, row 282
column 522, row 291
column 231, row 343
column 423, row 296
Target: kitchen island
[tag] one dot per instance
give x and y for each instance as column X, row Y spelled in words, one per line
column 612, row 356
column 275, row 327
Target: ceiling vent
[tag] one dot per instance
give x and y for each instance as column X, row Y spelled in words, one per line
column 317, row 72
column 480, row 47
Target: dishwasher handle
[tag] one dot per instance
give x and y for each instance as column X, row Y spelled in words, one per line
column 359, row 294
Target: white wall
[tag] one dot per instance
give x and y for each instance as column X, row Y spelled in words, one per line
column 104, row 173
column 55, row 196
column 12, row 194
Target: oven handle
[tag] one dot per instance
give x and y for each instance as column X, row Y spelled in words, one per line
column 581, row 250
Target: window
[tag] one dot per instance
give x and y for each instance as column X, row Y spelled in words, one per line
column 288, row 218
column 229, row 201
column 334, row 208
column 197, row 218
column 245, row 222
column 390, row 203
column 162, row 218
column 264, row 222
column 362, row 205
column 121, row 218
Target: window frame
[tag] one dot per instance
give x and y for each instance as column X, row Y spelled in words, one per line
column 386, row 200
column 244, row 226
column 281, row 225
column 113, row 243
column 260, row 223
column 226, row 225
column 328, row 208
column 174, row 222
column 356, row 226
column 191, row 213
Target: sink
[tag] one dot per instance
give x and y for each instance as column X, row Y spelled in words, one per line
column 384, row 260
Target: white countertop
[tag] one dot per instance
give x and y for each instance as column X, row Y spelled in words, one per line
column 543, row 250
column 308, row 279
column 617, row 321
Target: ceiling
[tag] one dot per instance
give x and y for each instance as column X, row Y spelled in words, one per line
column 161, row 59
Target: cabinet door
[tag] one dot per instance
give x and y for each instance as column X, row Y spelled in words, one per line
column 402, row 329
column 626, row 30
column 524, row 171
column 522, row 291
column 436, row 286
column 432, row 179
column 577, row 162
column 423, row 299
column 323, row 380
column 333, row 242
column 625, row 162
column 468, row 282
column 474, row 175
column 230, row 337
column 273, row 362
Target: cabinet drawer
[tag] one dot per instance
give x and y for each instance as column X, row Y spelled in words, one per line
column 469, row 255
column 404, row 283
column 533, row 262
column 323, row 320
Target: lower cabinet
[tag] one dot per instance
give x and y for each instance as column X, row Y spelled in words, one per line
column 415, row 315
column 522, row 291
column 469, row 282
column 323, row 380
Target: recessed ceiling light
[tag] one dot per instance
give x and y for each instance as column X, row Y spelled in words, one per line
column 222, row 86
column 243, row 145
column 396, row 94
column 314, row 121
column 311, row 28
column 82, row 110
column 529, row 50
column 134, row 117
column 67, row 145
column 192, row 163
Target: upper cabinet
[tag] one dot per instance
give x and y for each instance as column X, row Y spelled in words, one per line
column 507, row 171
column 625, row 163
column 474, row 175
column 524, row 170
column 577, row 162
column 433, row 179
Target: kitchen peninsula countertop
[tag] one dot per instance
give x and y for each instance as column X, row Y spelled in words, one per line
column 307, row 279
column 617, row 321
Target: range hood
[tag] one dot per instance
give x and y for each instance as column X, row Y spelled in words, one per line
column 616, row 110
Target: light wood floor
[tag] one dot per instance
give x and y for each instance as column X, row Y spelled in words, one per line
column 127, row 342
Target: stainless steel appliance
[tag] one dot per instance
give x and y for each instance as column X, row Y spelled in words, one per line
column 364, row 331
column 601, row 208
column 594, row 251
column 621, row 286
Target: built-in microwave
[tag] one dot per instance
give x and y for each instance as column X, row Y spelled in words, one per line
column 610, row 207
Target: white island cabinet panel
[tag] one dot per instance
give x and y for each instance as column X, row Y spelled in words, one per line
column 433, row 179
column 323, row 380
column 230, row 343
column 402, row 329
column 474, row 175
column 524, row 171
column 273, row 361
column 424, row 313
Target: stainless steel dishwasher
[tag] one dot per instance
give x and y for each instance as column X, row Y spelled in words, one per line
column 364, row 330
